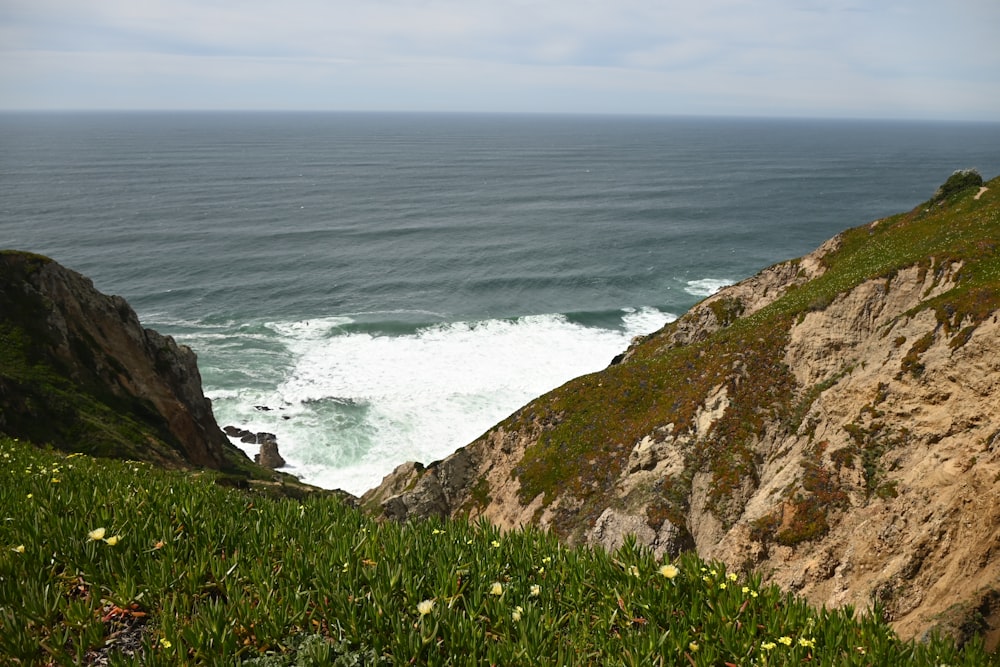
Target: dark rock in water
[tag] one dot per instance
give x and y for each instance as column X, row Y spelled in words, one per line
column 236, row 432
column 262, row 408
column 268, row 456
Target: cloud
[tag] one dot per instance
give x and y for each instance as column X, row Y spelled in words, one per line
column 715, row 56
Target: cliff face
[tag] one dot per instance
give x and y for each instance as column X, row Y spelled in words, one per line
column 77, row 370
column 832, row 422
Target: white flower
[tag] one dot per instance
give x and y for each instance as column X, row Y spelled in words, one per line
column 496, row 588
column 96, row 534
column 425, row 607
column 536, row 590
column 517, row 613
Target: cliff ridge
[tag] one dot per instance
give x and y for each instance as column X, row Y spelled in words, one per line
column 78, row 371
column 831, row 422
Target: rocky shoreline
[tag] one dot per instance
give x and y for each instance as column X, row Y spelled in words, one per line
column 268, row 455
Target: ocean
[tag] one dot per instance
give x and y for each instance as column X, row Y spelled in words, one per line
column 378, row 288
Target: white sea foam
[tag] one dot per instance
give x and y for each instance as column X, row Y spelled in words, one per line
column 355, row 405
column 706, row 286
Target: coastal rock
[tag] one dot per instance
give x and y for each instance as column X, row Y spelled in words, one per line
column 612, row 529
column 268, row 456
column 82, row 373
column 414, row 491
column 831, row 422
column 237, row 432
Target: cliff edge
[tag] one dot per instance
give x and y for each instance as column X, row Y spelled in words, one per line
column 832, row 422
column 79, row 372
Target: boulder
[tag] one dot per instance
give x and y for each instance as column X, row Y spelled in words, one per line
column 268, row 456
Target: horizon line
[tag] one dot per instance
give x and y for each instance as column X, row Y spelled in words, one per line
column 444, row 112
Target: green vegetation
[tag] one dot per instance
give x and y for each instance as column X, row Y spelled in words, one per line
column 596, row 420
column 960, row 180
column 128, row 563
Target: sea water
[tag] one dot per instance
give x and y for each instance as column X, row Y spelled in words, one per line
column 377, row 288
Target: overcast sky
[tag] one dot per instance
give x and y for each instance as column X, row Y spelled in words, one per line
column 857, row 58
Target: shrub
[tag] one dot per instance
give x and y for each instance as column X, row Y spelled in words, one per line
column 960, row 180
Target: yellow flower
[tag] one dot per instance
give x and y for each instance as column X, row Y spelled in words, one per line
column 693, row 647
column 633, row 570
column 30, row 496
column 496, row 588
column 165, row 643
column 808, row 643
column 517, row 613
column 536, row 590
column 113, row 540
column 495, row 544
column 437, row 531
column 722, row 586
column 19, row 548
column 425, row 607
column 731, row 576
column 767, row 646
column 96, row 534
column 669, row 571
column 787, row 641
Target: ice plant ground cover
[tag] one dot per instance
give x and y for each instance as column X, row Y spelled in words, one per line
column 129, row 564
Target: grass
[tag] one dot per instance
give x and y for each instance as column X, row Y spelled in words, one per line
column 132, row 564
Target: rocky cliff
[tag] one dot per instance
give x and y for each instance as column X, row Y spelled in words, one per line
column 832, row 422
column 78, row 371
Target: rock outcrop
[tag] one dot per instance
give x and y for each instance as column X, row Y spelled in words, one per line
column 833, row 422
column 77, row 370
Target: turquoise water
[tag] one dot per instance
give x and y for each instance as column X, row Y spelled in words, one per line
column 389, row 286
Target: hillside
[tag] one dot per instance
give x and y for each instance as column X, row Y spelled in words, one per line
column 78, row 371
column 122, row 563
column 831, row 422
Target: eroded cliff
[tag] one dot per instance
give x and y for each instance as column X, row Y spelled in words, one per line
column 78, row 371
column 832, row 422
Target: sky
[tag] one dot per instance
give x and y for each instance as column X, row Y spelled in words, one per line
column 907, row 59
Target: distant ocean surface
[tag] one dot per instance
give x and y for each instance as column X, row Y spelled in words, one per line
column 377, row 288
